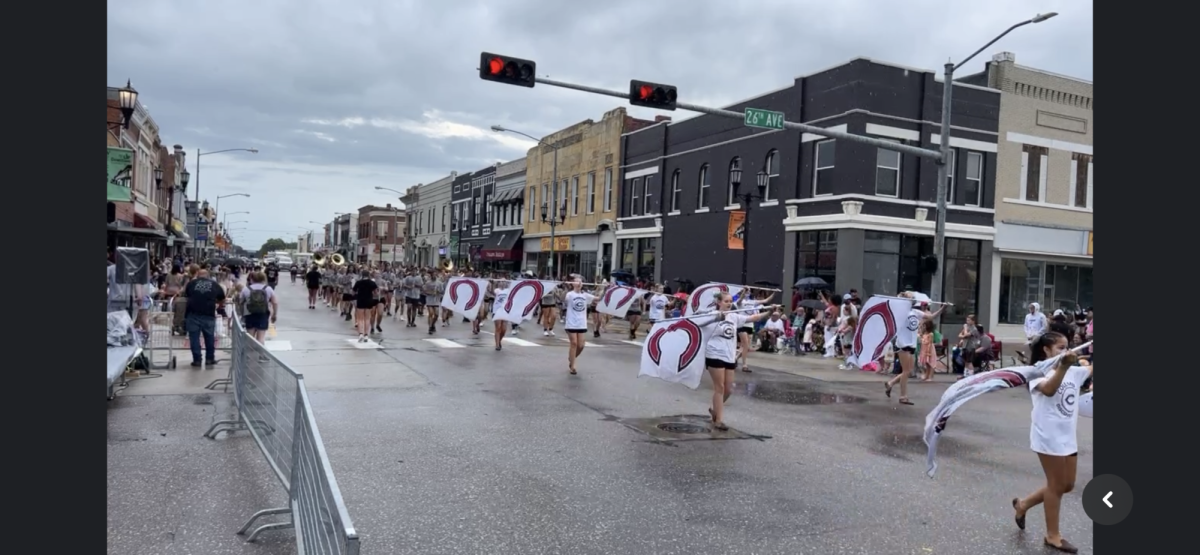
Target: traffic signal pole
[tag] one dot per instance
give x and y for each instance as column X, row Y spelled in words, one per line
column 906, row 149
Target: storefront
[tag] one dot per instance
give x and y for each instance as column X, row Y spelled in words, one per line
column 1044, row 265
column 502, row 251
column 573, row 254
column 887, row 263
column 639, row 256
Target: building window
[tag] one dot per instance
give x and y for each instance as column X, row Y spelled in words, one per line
column 608, row 185
column 1081, row 180
column 881, row 263
column 816, row 255
column 961, row 279
column 381, row 228
column 823, row 168
column 973, row 180
column 640, row 256
column 731, row 193
column 646, row 188
column 562, row 197
column 420, row 223
column 951, row 169
column 628, row 253
column 1053, row 286
column 702, row 201
column 475, row 208
column 546, row 200
column 1034, row 160
column 575, row 196
column 533, row 203
column 591, row 193
column 887, row 173
column 772, row 168
column 675, row 191
column 635, row 187
column 444, row 217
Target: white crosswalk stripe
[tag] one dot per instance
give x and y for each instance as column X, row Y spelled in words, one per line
column 445, row 343
column 519, row 342
column 585, row 343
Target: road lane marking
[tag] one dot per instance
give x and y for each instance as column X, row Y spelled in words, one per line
column 520, row 342
column 638, row 343
column 446, row 343
column 585, row 343
column 369, row 344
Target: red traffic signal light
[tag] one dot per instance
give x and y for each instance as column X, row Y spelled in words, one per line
column 507, row 70
column 652, row 95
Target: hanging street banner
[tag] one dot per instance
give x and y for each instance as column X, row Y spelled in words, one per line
column 120, row 174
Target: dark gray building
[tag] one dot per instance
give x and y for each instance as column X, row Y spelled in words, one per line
column 460, row 226
column 857, row 216
column 471, row 197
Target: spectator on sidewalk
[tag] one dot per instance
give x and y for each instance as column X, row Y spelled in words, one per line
column 259, row 305
column 204, row 296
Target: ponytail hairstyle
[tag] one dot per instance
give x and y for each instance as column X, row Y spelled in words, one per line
column 1038, row 348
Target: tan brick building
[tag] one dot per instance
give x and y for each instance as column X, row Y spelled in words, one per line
column 589, row 160
column 1044, row 196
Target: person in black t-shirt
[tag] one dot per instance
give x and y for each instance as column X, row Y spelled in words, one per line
column 273, row 275
column 204, row 297
column 364, row 304
column 313, row 281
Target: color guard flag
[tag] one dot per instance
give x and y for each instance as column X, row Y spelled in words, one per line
column 703, row 298
column 523, row 298
column 969, row 388
column 618, row 299
column 464, row 296
column 674, row 350
column 878, row 323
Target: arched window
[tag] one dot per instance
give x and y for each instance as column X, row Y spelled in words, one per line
column 702, row 203
column 772, row 169
column 731, row 191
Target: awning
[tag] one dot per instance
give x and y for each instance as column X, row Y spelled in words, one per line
column 500, row 245
column 510, row 196
column 117, row 193
column 136, row 231
column 503, row 198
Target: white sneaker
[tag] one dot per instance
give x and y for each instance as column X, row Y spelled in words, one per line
column 546, row 333
column 843, row 367
column 551, row 333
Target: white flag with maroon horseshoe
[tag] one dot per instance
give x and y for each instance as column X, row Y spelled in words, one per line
column 618, row 299
column 464, row 296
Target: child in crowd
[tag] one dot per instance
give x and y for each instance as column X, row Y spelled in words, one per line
column 927, row 356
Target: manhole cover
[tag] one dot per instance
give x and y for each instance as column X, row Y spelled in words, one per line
column 682, row 428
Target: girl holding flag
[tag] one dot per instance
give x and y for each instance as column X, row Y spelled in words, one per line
column 721, row 353
column 1052, row 433
column 906, row 341
column 500, row 292
column 576, row 304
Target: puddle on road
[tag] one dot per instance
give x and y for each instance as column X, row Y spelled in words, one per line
column 793, row 393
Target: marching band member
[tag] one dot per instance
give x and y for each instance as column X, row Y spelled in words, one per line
column 501, row 326
column 747, row 331
column 721, row 354
column 906, row 340
column 549, row 314
column 1052, row 433
column 434, row 287
column 576, row 303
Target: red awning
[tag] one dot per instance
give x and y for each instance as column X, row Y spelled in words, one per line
column 144, row 222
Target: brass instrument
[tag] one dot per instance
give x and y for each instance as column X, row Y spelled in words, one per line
column 446, row 265
column 337, row 259
column 318, row 259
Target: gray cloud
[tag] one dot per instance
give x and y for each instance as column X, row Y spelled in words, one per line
column 341, row 96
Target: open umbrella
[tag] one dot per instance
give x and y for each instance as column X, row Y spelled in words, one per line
column 814, row 304
column 812, row 283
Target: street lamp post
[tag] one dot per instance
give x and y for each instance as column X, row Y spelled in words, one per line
column 939, row 239
column 127, row 103
column 553, row 219
column 198, row 155
column 735, row 179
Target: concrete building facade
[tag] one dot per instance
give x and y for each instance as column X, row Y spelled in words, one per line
column 429, row 220
column 584, row 198
column 1044, row 196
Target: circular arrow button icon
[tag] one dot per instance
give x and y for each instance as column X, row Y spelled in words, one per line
column 1107, row 499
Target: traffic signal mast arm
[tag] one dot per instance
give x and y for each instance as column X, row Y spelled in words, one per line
column 635, row 93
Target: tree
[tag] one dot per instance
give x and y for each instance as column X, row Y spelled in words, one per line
column 275, row 244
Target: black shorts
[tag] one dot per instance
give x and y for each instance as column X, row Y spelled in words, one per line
column 272, row 284
column 545, row 306
column 569, row 330
column 717, row 363
column 633, row 313
column 909, row 350
column 347, row 296
column 746, row 329
column 365, row 305
column 412, row 301
column 591, row 310
column 313, row 287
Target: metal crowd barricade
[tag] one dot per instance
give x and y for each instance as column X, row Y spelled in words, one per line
column 160, row 341
column 272, row 404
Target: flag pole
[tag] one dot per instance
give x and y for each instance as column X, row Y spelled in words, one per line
column 703, row 314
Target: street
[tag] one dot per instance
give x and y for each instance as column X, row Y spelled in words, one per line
column 441, row 444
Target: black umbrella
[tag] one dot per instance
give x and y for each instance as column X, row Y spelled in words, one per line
column 812, row 283
column 766, row 283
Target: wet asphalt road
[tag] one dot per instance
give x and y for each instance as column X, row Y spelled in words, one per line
column 451, row 447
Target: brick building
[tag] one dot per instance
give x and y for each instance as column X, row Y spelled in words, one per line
column 380, row 234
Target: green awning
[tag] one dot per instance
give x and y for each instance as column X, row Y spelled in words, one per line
column 117, row 193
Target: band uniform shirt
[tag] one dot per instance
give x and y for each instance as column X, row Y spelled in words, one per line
column 576, row 306
column 412, row 287
column 722, row 344
column 658, row 306
column 429, row 290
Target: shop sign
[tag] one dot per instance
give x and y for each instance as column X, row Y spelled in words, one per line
column 560, row 244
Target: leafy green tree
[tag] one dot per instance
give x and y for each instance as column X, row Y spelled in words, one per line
column 275, row 244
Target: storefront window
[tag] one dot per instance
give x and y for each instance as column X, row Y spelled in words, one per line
column 1020, row 284
column 961, row 279
column 628, row 256
column 649, row 254
column 816, row 255
column 587, row 265
column 881, row 263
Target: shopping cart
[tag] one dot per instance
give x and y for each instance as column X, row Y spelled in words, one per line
column 159, row 346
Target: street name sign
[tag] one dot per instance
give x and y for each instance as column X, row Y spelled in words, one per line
column 763, row 119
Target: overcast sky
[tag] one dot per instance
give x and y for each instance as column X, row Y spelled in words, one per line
column 341, row 96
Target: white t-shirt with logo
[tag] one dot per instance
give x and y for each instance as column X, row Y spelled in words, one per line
column 1055, row 417
column 722, row 344
column 501, row 298
column 658, row 306
column 576, row 306
column 906, row 336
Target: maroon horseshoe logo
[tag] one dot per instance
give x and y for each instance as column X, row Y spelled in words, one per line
column 697, row 294
column 538, row 293
column 882, row 311
column 629, row 293
column 472, row 286
column 654, row 343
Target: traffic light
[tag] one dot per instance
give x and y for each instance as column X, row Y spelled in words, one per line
column 507, row 70
column 652, row 95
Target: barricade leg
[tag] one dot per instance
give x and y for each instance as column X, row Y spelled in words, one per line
column 265, row 527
